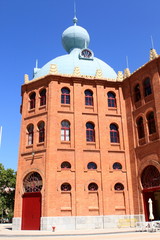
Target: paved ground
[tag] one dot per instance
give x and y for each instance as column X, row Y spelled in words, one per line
column 100, row 234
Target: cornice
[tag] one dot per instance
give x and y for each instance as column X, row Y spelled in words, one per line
column 143, row 66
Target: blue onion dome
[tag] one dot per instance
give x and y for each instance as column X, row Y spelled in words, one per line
column 75, row 37
column 75, row 40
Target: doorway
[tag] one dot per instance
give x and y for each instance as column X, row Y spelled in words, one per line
column 154, row 195
column 31, row 211
column 150, row 179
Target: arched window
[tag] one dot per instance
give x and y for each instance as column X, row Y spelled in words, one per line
column 65, row 96
column 118, row 187
column 137, row 93
column 32, row 99
column 140, row 128
column 42, row 97
column 92, row 187
column 65, row 187
column 111, row 99
column 65, row 165
column 151, row 123
column 41, row 130
column 114, row 134
column 65, row 131
column 32, row 182
column 147, row 87
column 90, row 132
column 92, row 165
column 30, row 133
column 88, row 98
column 150, row 177
column 117, row 165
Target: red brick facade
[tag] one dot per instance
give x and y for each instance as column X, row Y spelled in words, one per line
column 118, row 136
column 144, row 148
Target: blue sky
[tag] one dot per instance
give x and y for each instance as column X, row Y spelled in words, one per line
column 32, row 29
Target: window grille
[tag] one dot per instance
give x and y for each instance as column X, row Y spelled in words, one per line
column 150, row 177
column 33, row 182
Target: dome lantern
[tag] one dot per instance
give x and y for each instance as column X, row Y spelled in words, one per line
column 75, row 37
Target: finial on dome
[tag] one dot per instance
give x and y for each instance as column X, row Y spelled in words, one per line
column 75, row 36
column 75, row 20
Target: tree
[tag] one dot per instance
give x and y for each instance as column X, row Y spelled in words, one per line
column 7, row 191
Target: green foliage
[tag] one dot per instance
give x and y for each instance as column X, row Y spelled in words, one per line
column 7, row 191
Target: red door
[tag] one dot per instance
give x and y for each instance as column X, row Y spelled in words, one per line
column 31, row 211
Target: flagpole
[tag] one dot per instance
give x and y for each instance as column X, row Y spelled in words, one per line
column 0, row 135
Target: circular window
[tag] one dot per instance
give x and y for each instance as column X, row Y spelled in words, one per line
column 32, row 182
column 92, row 165
column 117, row 165
column 92, row 187
column 119, row 187
column 65, row 165
column 65, row 187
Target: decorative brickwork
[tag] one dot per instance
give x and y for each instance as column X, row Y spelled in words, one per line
column 87, row 146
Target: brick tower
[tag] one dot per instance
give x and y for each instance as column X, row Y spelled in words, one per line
column 84, row 152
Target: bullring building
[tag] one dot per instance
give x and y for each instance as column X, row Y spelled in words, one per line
column 89, row 153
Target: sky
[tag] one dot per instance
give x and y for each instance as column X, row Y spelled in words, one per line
column 32, row 29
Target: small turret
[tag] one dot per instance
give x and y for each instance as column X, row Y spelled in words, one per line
column 126, row 73
column 119, row 76
column 153, row 54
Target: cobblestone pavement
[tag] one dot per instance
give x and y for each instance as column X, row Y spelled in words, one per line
column 102, row 234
